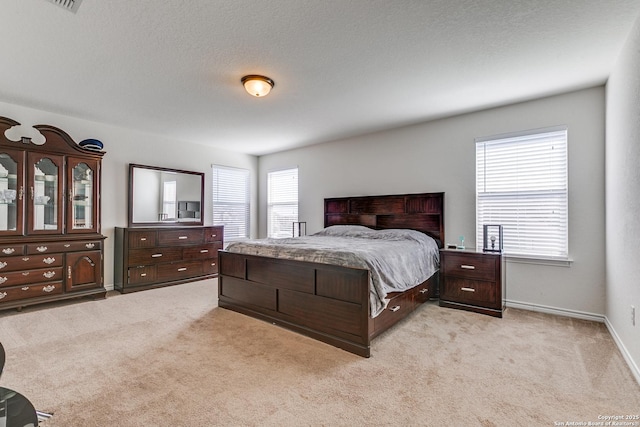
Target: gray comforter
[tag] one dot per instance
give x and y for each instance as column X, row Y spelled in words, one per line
column 398, row 259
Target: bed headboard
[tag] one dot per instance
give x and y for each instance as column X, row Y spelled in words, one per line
column 423, row 212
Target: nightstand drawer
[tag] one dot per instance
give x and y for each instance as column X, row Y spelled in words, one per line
column 471, row 266
column 471, row 292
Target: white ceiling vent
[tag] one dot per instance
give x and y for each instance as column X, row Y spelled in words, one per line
column 70, row 5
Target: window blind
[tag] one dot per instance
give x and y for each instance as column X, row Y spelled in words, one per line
column 282, row 202
column 521, row 183
column 231, row 201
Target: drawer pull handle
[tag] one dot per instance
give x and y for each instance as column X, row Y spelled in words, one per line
column 3, row 265
column 49, row 260
column 90, row 245
column 142, row 239
column 156, row 255
column 49, row 274
column 48, row 288
column 424, row 291
column 468, row 289
column 214, row 235
column 3, row 294
column 8, row 250
column 143, row 275
column 204, row 251
column 182, row 269
column 2, row 280
column 25, row 273
column 183, row 237
column 42, row 248
column 213, row 264
column 395, row 308
column 67, row 245
column 25, row 259
column 25, row 288
column 468, row 267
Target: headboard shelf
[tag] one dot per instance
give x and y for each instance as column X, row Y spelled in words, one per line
column 423, row 212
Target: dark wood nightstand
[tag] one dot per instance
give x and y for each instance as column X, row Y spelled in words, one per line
column 473, row 281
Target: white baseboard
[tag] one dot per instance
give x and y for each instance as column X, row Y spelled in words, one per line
column 625, row 353
column 585, row 316
column 109, row 287
column 556, row 310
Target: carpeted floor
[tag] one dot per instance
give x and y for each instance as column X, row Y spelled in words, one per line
column 170, row 357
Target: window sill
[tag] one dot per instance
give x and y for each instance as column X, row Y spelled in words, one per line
column 540, row 260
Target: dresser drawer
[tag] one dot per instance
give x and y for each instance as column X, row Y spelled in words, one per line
column 180, row 237
column 471, row 292
column 179, row 270
column 469, row 265
column 29, row 262
column 154, row 255
column 15, row 278
column 142, row 239
column 202, row 251
column 210, row 266
column 145, row 274
column 30, row 291
column 51, row 247
column 213, row 234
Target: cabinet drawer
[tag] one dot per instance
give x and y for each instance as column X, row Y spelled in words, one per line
column 470, row 292
column 31, row 276
column 180, row 237
column 142, row 239
column 202, row 251
column 469, row 265
column 179, row 270
column 49, row 247
column 29, row 262
column 213, row 234
column 30, row 291
column 12, row 249
column 398, row 307
column 146, row 274
column 154, row 256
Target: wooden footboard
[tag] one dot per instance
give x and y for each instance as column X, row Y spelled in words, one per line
column 326, row 302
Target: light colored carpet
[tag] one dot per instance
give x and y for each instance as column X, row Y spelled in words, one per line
column 170, row 357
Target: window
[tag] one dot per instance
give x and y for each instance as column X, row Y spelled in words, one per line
column 282, row 202
column 521, row 183
column 231, row 201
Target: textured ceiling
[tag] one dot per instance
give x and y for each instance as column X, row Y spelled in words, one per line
column 341, row 67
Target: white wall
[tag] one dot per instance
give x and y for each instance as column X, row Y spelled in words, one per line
column 623, row 198
column 440, row 156
column 124, row 146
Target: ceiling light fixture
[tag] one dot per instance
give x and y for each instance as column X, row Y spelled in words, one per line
column 256, row 85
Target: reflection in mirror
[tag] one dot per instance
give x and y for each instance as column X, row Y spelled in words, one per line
column 164, row 196
column 8, row 193
column 45, row 189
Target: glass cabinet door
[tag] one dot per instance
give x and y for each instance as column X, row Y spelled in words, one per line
column 82, row 208
column 11, row 192
column 45, row 211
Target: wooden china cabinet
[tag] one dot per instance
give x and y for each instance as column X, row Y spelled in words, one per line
column 50, row 242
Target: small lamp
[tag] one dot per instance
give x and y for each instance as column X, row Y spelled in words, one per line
column 492, row 240
column 256, row 85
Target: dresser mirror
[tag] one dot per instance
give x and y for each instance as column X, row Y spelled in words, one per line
column 164, row 197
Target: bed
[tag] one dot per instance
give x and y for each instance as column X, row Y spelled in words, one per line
column 343, row 303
